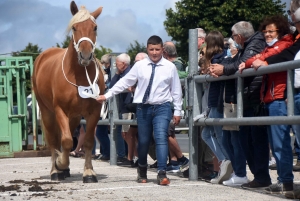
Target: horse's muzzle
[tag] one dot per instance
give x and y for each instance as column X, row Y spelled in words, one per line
column 83, row 59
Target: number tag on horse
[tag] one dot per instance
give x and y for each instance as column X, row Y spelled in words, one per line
column 84, row 92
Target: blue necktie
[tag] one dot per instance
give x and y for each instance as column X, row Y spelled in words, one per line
column 147, row 92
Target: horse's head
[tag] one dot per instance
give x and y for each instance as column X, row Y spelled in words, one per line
column 84, row 30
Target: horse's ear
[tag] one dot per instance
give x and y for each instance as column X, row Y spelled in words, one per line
column 97, row 12
column 73, row 8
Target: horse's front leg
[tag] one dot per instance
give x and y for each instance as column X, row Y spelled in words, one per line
column 89, row 175
column 62, row 161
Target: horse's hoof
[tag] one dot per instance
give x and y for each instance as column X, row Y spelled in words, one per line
column 58, row 176
column 90, row 179
column 67, row 172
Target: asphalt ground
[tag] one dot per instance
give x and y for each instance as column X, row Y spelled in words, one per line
column 29, row 179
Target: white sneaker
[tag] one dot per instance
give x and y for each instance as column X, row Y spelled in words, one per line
column 236, row 181
column 272, row 161
column 215, row 180
column 224, row 173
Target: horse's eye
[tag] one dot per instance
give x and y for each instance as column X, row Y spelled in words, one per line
column 95, row 29
column 73, row 28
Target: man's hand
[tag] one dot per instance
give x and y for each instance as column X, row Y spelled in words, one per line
column 242, row 66
column 216, row 70
column 101, row 98
column 258, row 63
column 131, row 89
column 176, row 120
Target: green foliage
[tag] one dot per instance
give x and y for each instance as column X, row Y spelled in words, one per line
column 215, row 15
column 30, row 50
column 134, row 49
column 65, row 43
column 102, row 51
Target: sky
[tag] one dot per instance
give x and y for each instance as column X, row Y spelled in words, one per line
column 43, row 22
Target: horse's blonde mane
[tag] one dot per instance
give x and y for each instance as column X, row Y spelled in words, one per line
column 82, row 15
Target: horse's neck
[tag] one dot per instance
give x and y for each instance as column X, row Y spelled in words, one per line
column 72, row 54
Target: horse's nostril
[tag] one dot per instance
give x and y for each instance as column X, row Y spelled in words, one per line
column 91, row 56
column 81, row 55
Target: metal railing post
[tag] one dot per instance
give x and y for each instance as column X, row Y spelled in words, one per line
column 113, row 107
column 193, row 135
column 290, row 92
column 240, row 92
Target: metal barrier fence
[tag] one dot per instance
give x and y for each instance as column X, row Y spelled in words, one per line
column 13, row 106
column 194, row 85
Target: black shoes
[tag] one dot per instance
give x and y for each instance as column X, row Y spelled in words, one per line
column 102, row 158
column 162, row 178
column 154, row 165
column 255, row 185
column 296, row 167
column 280, row 188
column 142, row 174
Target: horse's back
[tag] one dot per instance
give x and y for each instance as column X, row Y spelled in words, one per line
column 46, row 59
column 46, row 68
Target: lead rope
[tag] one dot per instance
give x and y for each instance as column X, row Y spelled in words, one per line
column 95, row 89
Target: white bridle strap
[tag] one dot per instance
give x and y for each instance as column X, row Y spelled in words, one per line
column 76, row 46
column 93, row 85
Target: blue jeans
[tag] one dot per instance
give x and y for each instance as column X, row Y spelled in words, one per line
column 120, row 141
column 232, row 145
column 153, row 118
column 296, row 128
column 102, row 135
column 255, row 145
column 280, row 142
column 212, row 136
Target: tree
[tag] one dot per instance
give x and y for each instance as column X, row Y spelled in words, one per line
column 134, row 49
column 215, row 15
column 65, row 43
column 30, row 50
column 102, row 51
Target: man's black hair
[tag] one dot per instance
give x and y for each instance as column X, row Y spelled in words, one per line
column 154, row 40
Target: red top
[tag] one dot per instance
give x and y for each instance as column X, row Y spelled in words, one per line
column 274, row 84
column 280, row 45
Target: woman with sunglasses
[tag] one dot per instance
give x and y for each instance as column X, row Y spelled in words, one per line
column 277, row 34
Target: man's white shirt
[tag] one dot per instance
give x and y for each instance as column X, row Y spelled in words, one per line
column 166, row 85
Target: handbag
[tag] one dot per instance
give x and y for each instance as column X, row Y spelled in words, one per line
column 230, row 111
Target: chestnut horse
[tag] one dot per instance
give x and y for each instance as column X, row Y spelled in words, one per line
column 62, row 84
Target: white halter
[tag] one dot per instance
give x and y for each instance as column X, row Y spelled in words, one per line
column 76, row 45
column 92, row 85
